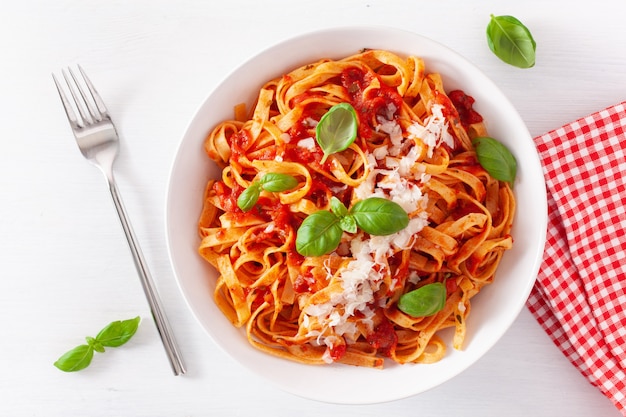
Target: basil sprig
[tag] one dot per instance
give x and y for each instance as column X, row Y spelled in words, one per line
column 272, row 182
column 424, row 301
column 495, row 158
column 337, row 129
column 320, row 233
column 113, row 335
column 511, row 41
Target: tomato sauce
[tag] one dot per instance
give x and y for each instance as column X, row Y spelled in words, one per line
column 305, row 156
column 262, row 294
column 301, row 129
column 267, row 154
column 464, row 106
column 227, row 196
column 384, row 338
column 451, row 286
column 294, row 258
column 368, row 105
column 472, row 264
column 304, row 282
column 304, row 129
column 401, row 271
column 465, row 207
column 337, row 351
column 239, row 142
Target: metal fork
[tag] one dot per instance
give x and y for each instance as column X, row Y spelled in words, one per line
column 98, row 141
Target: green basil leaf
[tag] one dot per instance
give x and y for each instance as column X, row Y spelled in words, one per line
column 337, row 207
column 319, row 234
column 424, row 301
column 95, row 345
column 248, row 198
column 348, row 224
column 511, row 41
column 496, row 159
column 277, row 182
column 336, row 129
column 379, row 216
column 118, row 332
column 75, row 359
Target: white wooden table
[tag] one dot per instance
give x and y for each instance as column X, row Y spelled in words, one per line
column 65, row 269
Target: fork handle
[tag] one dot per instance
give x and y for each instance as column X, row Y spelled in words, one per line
column 163, row 327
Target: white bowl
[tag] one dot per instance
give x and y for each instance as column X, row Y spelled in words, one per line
column 493, row 310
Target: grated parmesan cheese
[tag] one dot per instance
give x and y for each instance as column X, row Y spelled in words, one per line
column 307, row 143
column 434, row 132
column 381, row 152
column 286, row 137
column 392, row 128
column 392, row 175
column 310, row 122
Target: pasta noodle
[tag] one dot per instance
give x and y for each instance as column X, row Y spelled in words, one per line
column 414, row 148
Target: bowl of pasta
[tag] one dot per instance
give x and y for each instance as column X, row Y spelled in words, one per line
column 356, row 215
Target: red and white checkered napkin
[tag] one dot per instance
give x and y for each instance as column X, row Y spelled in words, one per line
column 580, row 294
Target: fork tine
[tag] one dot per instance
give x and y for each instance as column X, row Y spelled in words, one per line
column 94, row 94
column 80, row 98
column 71, row 115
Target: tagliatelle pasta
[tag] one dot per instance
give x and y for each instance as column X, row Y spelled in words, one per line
column 414, row 148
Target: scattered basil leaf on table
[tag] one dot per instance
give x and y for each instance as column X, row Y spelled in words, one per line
column 75, row 359
column 511, row 41
column 337, row 129
column 424, row 301
column 118, row 332
column 95, row 344
column 320, row 233
column 496, row 159
column 272, row 182
column 113, row 335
